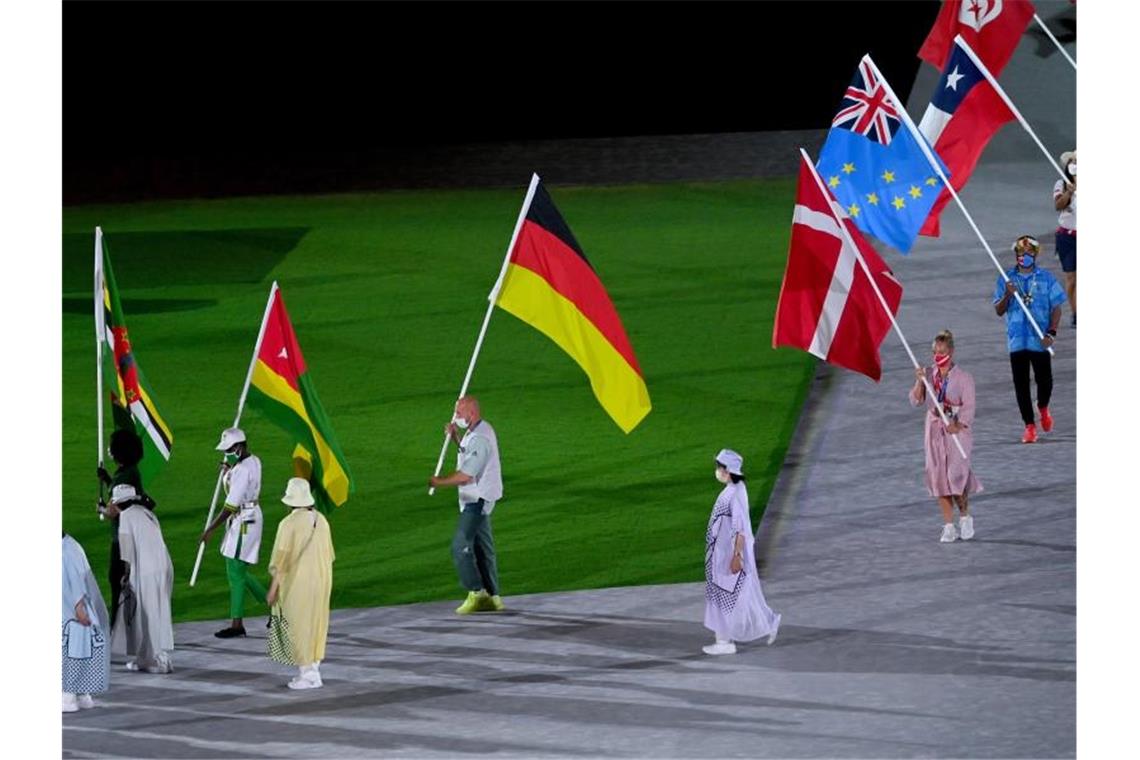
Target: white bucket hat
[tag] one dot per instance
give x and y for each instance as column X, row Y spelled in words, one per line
column 230, row 436
column 731, row 461
column 297, row 493
column 123, row 492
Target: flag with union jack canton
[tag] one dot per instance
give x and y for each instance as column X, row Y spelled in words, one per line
column 875, row 167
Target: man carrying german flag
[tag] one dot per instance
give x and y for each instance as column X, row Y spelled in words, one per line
column 547, row 282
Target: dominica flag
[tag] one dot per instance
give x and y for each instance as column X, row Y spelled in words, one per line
column 132, row 402
column 280, row 387
column 551, row 285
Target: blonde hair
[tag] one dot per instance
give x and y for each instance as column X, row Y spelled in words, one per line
column 946, row 337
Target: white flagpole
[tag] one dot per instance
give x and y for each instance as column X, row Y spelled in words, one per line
column 882, row 300
column 100, row 337
column 491, row 298
column 1049, row 34
column 1009, row 103
column 953, row 193
column 237, row 419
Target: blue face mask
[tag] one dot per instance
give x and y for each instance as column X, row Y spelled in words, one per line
column 1026, row 260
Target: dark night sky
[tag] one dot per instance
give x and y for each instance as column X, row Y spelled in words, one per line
column 265, row 81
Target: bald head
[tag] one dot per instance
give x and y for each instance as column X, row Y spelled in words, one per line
column 468, row 408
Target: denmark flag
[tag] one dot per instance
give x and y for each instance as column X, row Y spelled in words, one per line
column 827, row 304
column 991, row 27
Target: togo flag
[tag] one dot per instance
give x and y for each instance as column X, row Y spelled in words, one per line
column 281, row 388
column 551, row 285
column 132, row 403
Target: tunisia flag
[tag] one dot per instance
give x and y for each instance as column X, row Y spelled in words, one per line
column 827, row 304
column 991, row 27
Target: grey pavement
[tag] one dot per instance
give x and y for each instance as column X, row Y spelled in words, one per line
column 892, row 644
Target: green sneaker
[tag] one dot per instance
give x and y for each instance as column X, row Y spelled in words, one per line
column 471, row 603
column 497, row 604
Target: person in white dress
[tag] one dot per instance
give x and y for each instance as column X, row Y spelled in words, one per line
column 142, row 627
column 735, row 608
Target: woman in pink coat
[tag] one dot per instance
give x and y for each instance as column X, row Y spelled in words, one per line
column 948, row 475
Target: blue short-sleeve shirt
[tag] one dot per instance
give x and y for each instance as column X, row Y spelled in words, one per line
column 1041, row 293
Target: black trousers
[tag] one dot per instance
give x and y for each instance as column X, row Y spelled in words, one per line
column 1041, row 362
column 118, row 570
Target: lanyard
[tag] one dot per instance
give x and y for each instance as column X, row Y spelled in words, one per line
column 940, row 386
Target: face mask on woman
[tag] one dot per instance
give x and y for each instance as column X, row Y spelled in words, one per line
column 1026, row 260
column 1073, row 169
column 721, row 474
column 941, row 359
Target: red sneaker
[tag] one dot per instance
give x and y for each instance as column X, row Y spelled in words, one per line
column 1030, row 434
column 1046, row 419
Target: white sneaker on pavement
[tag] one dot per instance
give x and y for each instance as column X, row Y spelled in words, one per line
column 69, row 703
column 85, row 702
column 131, row 665
column 966, row 527
column 949, row 534
column 309, row 678
column 721, row 647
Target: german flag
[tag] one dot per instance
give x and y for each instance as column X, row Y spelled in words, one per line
column 281, row 388
column 550, row 284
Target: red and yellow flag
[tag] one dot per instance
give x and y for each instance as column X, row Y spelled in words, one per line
column 550, row 285
column 280, row 387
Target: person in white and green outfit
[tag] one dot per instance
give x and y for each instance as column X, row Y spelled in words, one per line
column 242, row 515
column 479, row 477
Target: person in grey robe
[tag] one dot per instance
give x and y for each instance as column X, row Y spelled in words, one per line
column 86, row 631
column 143, row 627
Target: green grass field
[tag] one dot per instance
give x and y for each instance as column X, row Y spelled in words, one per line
column 387, row 292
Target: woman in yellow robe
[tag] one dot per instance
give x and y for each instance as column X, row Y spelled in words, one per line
column 301, row 566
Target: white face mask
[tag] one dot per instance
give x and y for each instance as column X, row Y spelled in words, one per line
column 1073, row 169
column 460, row 422
column 721, row 475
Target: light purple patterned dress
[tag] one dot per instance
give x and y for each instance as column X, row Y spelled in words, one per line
column 735, row 609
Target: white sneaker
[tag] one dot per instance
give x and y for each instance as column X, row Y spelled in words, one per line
column 69, row 703
column 949, row 534
column 772, row 635
column 721, row 647
column 966, row 527
column 85, row 702
column 309, row 678
column 131, row 665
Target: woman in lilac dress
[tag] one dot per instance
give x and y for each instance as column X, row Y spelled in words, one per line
column 949, row 477
column 735, row 609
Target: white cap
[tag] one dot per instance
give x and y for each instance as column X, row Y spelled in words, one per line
column 123, row 492
column 731, row 461
column 1067, row 156
column 230, row 436
column 297, row 493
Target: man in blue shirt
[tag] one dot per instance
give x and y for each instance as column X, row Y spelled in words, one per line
column 1043, row 295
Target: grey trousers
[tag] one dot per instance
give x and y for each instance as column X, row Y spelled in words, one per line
column 473, row 549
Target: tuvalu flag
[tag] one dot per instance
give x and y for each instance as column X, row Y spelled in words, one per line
column 550, row 284
column 132, row 402
column 827, row 305
column 281, row 388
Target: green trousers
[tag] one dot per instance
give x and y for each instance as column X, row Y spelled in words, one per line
column 241, row 580
column 473, row 549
